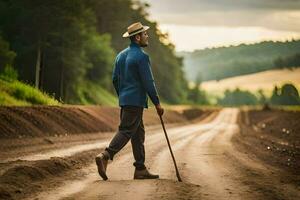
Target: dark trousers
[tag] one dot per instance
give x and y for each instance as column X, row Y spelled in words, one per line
column 131, row 128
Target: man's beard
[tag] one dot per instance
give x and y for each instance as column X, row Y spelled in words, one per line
column 144, row 45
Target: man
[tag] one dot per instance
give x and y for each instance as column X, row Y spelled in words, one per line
column 133, row 81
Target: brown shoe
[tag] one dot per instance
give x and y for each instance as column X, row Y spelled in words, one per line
column 144, row 174
column 101, row 161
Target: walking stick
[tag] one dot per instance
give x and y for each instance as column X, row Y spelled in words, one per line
column 177, row 172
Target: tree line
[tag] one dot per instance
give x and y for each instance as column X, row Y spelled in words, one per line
column 66, row 48
column 290, row 62
column 285, row 95
column 224, row 62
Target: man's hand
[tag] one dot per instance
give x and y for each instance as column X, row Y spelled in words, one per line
column 159, row 109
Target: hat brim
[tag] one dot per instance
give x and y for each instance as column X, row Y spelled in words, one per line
column 126, row 35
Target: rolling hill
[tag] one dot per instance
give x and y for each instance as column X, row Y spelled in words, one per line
column 262, row 80
column 224, row 62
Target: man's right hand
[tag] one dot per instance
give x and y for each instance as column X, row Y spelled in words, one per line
column 159, row 109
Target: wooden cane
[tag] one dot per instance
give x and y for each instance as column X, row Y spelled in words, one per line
column 177, row 172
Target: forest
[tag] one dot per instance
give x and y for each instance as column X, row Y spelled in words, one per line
column 68, row 49
column 224, row 62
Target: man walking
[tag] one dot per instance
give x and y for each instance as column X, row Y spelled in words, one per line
column 133, row 81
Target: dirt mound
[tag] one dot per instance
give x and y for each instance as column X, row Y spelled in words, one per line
column 284, row 125
column 23, row 179
column 272, row 136
column 192, row 113
column 34, row 121
column 196, row 114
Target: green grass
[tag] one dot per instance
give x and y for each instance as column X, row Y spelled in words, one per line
column 6, row 99
column 90, row 93
column 13, row 92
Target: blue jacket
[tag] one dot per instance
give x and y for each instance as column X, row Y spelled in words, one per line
column 133, row 79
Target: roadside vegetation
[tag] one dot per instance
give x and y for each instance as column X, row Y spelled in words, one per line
column 68, row 57
column 71, row 54
column 14, row 92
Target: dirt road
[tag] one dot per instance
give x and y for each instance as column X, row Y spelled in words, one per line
column 210, row 166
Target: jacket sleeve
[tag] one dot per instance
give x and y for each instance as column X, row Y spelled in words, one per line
column 147, row 79
column 116, row 77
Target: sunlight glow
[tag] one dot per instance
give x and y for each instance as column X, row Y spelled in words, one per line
column 189, row 38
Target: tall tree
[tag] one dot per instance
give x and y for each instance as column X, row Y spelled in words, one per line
column 6, row 55
column 75, row 43
column 167, row 67
column 61, row 31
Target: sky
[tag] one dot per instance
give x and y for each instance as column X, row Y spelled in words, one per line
column 199, row 24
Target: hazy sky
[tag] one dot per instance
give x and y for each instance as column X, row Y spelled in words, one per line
column 196, row 24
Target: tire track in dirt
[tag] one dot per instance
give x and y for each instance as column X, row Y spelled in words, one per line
column 207, row 165
column 119, row 172
column 65, row 156
column 210, row 166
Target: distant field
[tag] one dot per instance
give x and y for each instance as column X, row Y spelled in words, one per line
column 262, row 80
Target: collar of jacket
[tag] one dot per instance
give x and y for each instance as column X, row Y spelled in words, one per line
column 133, row 44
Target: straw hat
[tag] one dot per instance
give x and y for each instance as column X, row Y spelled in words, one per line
column 134, row 29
